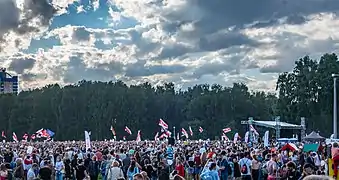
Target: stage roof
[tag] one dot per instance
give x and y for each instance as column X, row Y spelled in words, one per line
column 272, row 124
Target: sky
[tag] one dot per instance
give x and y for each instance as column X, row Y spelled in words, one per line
column 186, row 42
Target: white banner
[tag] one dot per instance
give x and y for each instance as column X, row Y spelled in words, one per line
column 235, row 138
column 87, row 141
column 247, row 136
column 266, row 136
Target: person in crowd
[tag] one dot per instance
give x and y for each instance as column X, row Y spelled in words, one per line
column 19, row 173
column 3, row 172
column 59, row 169
column 245, row 166
column 31, row 172
column 93, row 168
column 308, row 170
column 115, row 172
column 45, row 172
column 132, row 170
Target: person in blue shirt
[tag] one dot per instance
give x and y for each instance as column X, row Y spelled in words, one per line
column 211, row 173
column 223, row 164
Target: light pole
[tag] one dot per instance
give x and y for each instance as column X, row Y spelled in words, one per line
column 174, row 132
column 335, row 110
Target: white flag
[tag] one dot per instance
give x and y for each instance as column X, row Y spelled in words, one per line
column 87, row 141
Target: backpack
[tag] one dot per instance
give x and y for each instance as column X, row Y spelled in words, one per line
column 244, row 169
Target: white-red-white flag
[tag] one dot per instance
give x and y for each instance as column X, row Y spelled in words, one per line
column 113, row 131
column 3, row 134
column 138, row 136
column 227, row 130
column 25, row 136
column 128, row 130
column 190, row 129
column 15, row 138
column 163, row 124
column 33, row 136
column 254, row 130
column 184, row 132
column 163, row 135
column 201, row 129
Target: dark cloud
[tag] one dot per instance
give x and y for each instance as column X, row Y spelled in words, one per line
column 77, row 70
column 20, row 64
column 81, row 34
column 141, row 69
column 224, row 40
column 271, row 69
column 20, row 21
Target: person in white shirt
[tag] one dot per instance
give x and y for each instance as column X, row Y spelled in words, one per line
column 59, row 169
column 31, row 174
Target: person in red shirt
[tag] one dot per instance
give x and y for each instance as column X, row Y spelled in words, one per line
column 197, row 165
column 335, row 158
column 180, row 168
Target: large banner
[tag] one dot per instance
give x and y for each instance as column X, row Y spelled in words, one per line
column 87, row 141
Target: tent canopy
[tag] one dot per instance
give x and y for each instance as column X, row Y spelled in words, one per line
column 313, row 136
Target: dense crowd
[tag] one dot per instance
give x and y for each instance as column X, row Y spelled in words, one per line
column 210, row 160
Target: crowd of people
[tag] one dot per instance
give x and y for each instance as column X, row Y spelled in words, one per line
column 160, row 160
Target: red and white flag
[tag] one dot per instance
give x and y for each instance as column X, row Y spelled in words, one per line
column 39, row 131
column 163, row 135
column 156, row 136
column 201, row 129
column 15, row 138
column 25, row 136
column 184, row 132
column 163, row 124
column 113, row 131
column 128, row 130
column 227, row 130
column 33, row 136
column 224, row 137
column 190, row 129
column 3, row 134
column 138, row 136
column 124, row 138
column 254, row 130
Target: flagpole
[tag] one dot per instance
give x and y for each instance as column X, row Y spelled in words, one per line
column 174, row 131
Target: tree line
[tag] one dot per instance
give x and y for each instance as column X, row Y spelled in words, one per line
column 307, row 92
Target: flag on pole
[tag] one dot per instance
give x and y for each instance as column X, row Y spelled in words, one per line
column 190, row 129
column 184, row 132
column 15, row 138
column 163, row 124
column 25, row 136
column 156, row 136
column 113, row 131
column 128, row 130
column 254, row 130
column 226, row 130
column 138, row 136
column 33, row 136
column 201, row 129
column 163, row 135
column 3, row 134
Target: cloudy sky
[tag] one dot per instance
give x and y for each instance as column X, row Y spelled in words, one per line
column 181, row 41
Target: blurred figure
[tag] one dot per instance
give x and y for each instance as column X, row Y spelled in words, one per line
column 31, row 172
